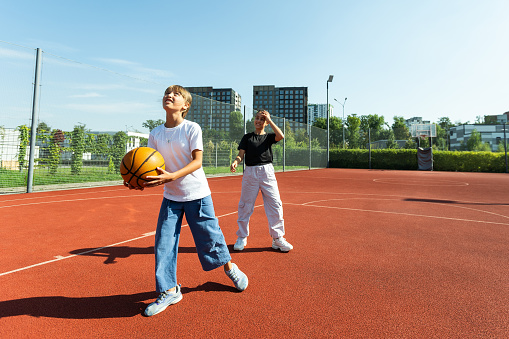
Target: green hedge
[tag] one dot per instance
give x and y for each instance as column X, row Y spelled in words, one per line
column 406, row 159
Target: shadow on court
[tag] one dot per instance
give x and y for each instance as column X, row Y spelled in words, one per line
column 121, row 252
column 439, row 201
column 113, row 253
column 115, row 306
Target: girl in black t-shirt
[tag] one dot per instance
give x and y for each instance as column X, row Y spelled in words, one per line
column 256, row 148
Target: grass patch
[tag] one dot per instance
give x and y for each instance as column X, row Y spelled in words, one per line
column 42, row 176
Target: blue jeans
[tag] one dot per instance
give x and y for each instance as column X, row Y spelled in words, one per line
column 208, row 238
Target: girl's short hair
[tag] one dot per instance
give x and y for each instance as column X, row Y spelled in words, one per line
column 185, row 94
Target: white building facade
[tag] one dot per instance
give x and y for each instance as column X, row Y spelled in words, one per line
column 316, row 111
column 492, row 134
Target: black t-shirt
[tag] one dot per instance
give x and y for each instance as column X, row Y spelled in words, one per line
column 258, row 148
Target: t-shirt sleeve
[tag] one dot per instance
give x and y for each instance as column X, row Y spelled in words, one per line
column 243, row 143
column 151, row 141
column 195, row 137
column 272, row 138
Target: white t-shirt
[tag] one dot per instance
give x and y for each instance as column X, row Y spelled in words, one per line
column 176, row 145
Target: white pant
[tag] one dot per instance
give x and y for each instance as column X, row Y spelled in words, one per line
column 254, row 179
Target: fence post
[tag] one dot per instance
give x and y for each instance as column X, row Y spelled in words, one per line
column 369, row 146
column 505, row 149
column 284, row 144
column 35, row 118
column 309, row 126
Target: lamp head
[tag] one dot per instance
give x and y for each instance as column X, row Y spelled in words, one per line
column 330, row 78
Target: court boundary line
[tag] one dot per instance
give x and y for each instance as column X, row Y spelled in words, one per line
column 59, row 258
column 400, row 213
column 226, row 192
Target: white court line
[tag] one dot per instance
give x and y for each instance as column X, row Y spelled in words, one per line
column 84, row 199
column 58, row 258
column 61, row 195
column 401, row 213
column 422, row 202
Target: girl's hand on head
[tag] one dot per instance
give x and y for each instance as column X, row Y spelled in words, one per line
column 266, row 115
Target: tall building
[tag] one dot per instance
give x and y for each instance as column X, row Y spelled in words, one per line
column 211, row 107
column 316, row 111
column 285, row 102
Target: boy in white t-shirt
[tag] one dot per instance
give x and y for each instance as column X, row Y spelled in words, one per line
column 186, row 191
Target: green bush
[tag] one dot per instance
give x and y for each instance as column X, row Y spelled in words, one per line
column 469, row 161
column 406, row 159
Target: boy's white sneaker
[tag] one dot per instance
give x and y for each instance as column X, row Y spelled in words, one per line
column 240, row 243
column 281, row 244
column 238, row 277
column 164, row 300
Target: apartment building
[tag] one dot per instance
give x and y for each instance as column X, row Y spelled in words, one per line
column 211, row 106
column 316, row 111
column 285, row 102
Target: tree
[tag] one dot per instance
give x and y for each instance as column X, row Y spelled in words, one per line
column 102, row 145
column 24, row 140
column 475, row 143
column 391, row 141
column 335, row 130
column 353, row 123
column 250, row 125
column 320, row 123
column 118, row 149
column 479, row 120
column 78, row 145
column 301, row 137
column 236, row 125
column 445, row 123
column 55, row 150
column 151, row 124
column 373, row 124
column 400, row 129
column 43, row 128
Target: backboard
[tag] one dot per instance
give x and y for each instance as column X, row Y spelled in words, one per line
column 426, row 130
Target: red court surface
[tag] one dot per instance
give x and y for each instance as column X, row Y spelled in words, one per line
column 377, row 254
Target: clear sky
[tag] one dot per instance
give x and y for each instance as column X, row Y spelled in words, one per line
column 431, row 58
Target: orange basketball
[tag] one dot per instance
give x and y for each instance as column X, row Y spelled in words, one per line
column 139, row 163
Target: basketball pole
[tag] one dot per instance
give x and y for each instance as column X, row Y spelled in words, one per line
column 35, row 118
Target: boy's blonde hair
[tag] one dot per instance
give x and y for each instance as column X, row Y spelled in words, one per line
column 185, row 94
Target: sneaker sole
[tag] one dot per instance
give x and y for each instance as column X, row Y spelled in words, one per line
column 238, row 248
column 281, row 249
column 179, row 298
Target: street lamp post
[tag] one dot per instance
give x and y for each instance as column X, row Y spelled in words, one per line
column 329, row 80
column 343, row 104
